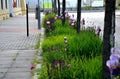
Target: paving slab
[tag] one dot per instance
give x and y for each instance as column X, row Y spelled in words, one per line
column 6, row 62
column 24, row 58
column 6, row 58
column 18, row 75
column 1, row 75
column 3, row 70
column 5, row 66
column 19, row 69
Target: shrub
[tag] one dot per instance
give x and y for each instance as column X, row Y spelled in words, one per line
column 57, row 23
column 48, row 21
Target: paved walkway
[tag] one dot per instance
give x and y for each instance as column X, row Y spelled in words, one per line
column 16, row 49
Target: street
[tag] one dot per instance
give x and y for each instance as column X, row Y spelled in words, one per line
column 97, row 19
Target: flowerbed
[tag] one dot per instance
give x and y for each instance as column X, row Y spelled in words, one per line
column 81, row 59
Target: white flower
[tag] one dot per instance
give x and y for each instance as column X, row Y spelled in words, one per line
column 72, row 24
column 48, row 22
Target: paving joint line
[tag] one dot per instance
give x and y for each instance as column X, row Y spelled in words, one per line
column 13, row 61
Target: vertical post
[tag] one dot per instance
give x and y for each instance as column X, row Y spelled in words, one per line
column 27, row 20
column 58, row 7
column 78, row 15
column 63, row 11
column 39, row 14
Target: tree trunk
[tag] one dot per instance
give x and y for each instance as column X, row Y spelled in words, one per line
column 63, row 11
column 58, row 7
column 54, row 7
column 109, row 5
column 112, row 37
column 78, row 15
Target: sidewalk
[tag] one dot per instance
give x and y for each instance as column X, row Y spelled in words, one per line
column 16, row 49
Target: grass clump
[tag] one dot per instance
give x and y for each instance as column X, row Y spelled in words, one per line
column 74, row 69
column 85, row 44
column 53, row 43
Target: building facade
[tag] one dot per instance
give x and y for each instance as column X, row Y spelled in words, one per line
column 10, row 8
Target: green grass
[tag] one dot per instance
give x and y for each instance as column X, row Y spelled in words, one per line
column 86, row 44
column 80, row 69
column 47, row 5
column 66, row 31
column 83, row 53
column 53, row 43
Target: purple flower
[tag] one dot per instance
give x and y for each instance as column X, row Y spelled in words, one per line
column 51, row 20
column 114, row 50
column 111, row 63
column 114, row 54
column 58, row 17
column 68, row 65
column 114, row 57
column 32, row 67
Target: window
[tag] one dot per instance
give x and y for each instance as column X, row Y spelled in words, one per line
column 1, row 4
column 6, row 5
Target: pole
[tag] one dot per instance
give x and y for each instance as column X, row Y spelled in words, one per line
column 78, row 15
column 63, row 11
column 27, row 20
column 39, row 14
column 43, row 5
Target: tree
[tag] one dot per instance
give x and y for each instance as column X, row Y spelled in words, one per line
column 78, row 15
column 63, row 11
column 109, row 28
column 58, row 7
